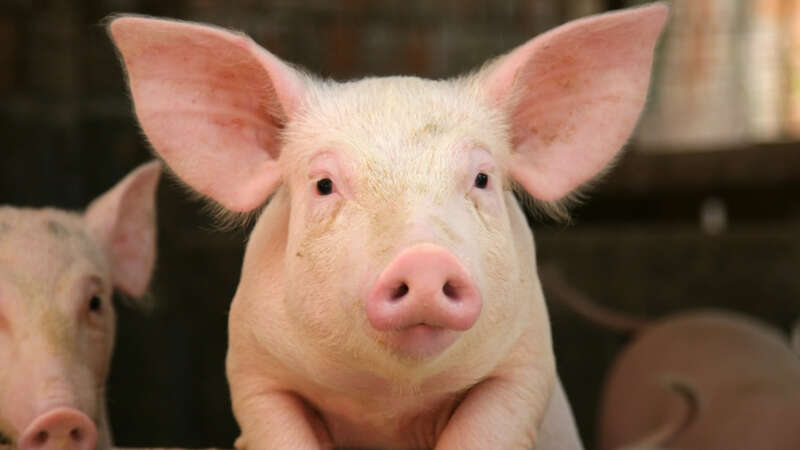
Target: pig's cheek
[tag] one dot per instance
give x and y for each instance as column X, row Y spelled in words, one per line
column 497, row 274
column 326, row 282
column 311, row 288
column 98, row 347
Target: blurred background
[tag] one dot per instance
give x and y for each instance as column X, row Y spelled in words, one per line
column 702, row 210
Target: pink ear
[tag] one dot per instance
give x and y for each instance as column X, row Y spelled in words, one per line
column 123, row 221
column 212, row 104
column 574, row 95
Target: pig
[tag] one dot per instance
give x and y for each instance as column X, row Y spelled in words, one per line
column 695, row 380
column 57, row 273
column 701, row 380
column 389, row 296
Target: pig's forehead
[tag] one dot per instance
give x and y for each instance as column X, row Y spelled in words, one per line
column 44, row 239
column 397, row 117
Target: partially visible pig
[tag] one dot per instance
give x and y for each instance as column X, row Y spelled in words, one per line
column 698, row 380
column 703, row 380
column 389, row 295
column 57, row 273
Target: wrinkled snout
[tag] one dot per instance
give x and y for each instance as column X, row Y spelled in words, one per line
column 424, row 285
column 61, row 428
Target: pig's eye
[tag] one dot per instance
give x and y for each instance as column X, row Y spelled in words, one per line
column 325, row 186
column 481, row 180
column 95, row 304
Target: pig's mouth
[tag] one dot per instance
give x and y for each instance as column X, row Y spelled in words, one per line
column 420, row 340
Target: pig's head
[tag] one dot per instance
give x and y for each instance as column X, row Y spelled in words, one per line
column 393, row 242
column 57, row 273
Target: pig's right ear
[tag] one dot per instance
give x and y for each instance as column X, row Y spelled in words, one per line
column 795, row 338
column 211, row 102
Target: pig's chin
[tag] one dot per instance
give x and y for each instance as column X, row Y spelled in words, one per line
column 418, row 341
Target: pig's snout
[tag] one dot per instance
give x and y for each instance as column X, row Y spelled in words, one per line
column 60, row 428
column 424, row 285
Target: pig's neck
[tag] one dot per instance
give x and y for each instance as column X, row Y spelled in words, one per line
column 413, row 421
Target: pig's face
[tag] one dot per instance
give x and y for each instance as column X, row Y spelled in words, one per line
column 56, row 317
column 362, row 192
column 57, row 273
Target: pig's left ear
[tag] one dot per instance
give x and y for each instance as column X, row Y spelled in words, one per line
column 123, row 222
column 574, row 95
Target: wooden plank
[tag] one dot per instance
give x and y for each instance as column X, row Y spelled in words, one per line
column 749, row 166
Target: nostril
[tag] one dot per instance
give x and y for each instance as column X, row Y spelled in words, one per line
column 450, row 291
column 400, row 291
column 423, row 285
column 62, row 427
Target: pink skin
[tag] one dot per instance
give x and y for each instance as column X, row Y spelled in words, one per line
column 703, row 380
column 57, row 273
column 384, row 182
